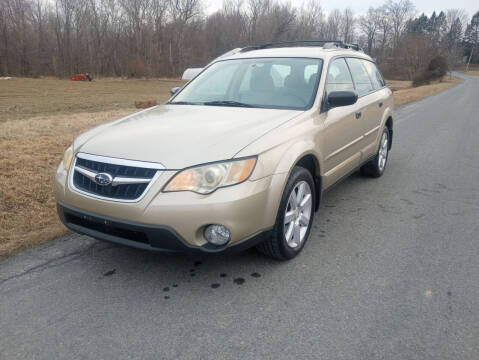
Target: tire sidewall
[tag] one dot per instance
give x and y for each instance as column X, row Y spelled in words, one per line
column 298, row 174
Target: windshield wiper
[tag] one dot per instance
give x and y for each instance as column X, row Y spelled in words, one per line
column 227, row 103
column 184, row 103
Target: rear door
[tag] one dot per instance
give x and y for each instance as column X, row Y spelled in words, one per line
column 367, row 114
column 378, row 101
column 342, row 134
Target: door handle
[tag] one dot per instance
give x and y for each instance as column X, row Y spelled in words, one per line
column 380, row 104
column 358, row 114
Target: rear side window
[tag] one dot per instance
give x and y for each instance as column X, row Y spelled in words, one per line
column 338, row 78
column 361, row 78
column 374, row 74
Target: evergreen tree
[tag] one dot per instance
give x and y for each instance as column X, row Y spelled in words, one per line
column 471, row 39
column 418, row 25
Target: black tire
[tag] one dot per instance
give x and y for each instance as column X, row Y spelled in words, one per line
column 373, row 168
column 276, row 246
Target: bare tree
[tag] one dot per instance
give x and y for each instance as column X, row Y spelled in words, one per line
column 348, row 23
column 256, row 10
column 310, row 21
column 4, row 39
column 370, row 25
column 384, row 32
column 162, row 37
column 333, row 25
column 399, row 12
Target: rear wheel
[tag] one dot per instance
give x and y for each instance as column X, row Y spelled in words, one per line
column 376, row 167
column 294, row 219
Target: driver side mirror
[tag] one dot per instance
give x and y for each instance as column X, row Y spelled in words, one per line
column 342, row 98
column 174, row 90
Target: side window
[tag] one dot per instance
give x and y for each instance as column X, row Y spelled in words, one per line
column 361, row 78
column 338, row 78
column 374, row 74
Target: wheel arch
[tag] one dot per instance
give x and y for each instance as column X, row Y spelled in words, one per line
column 310, row 162
column 304, row 154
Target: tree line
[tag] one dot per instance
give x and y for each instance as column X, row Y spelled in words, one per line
column 137, row 38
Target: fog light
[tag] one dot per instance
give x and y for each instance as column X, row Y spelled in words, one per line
column 217, row 234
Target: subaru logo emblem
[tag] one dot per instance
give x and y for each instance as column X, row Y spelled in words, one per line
column 103, row 179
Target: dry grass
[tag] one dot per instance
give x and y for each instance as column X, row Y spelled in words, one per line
column 472, row 72
column 473, row 69
column 30, row 150
column 396, row 85
column 407, row 95
column 40, row 118
column 22, row 98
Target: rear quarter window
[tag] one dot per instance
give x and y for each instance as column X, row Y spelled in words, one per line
column 376, row 77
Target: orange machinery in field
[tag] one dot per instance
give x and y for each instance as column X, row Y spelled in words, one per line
column 81, row 77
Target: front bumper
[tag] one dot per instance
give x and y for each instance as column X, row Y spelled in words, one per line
column 147, row 237
column 174, row 221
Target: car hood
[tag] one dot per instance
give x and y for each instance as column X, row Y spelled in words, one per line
column 179, row 136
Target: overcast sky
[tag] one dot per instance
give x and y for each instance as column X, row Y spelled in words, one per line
column 361, row 6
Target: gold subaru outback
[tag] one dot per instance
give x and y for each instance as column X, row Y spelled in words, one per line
column 238, row 157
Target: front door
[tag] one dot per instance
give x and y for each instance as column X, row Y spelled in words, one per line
column 343, row 133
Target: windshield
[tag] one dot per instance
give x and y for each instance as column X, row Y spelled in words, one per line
column 280, row 83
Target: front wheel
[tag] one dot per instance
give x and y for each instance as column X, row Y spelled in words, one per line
column 294, row 219
column 376, row 167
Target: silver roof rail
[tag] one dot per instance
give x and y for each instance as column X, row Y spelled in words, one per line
column 325, row 44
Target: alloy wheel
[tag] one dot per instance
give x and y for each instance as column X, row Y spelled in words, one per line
column 383, row 152
column 298, row 214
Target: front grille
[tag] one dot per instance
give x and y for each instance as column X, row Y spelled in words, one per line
column 121, row 192
column 110, row 229
column 116, row 170
column 125, row 192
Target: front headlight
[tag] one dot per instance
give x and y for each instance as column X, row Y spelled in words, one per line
column 67, row 158
column 205, row 179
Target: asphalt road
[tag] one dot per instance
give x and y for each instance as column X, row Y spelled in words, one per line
column 391, row 271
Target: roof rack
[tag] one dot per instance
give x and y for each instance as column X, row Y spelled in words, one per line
column 326, row 44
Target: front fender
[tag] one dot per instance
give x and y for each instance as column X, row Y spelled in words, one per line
column 294, row 153
column 281, row 159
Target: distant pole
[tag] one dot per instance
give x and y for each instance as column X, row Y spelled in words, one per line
column 470, row 56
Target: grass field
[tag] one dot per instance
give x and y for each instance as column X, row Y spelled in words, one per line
column 39, row 119
column 22, row 98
